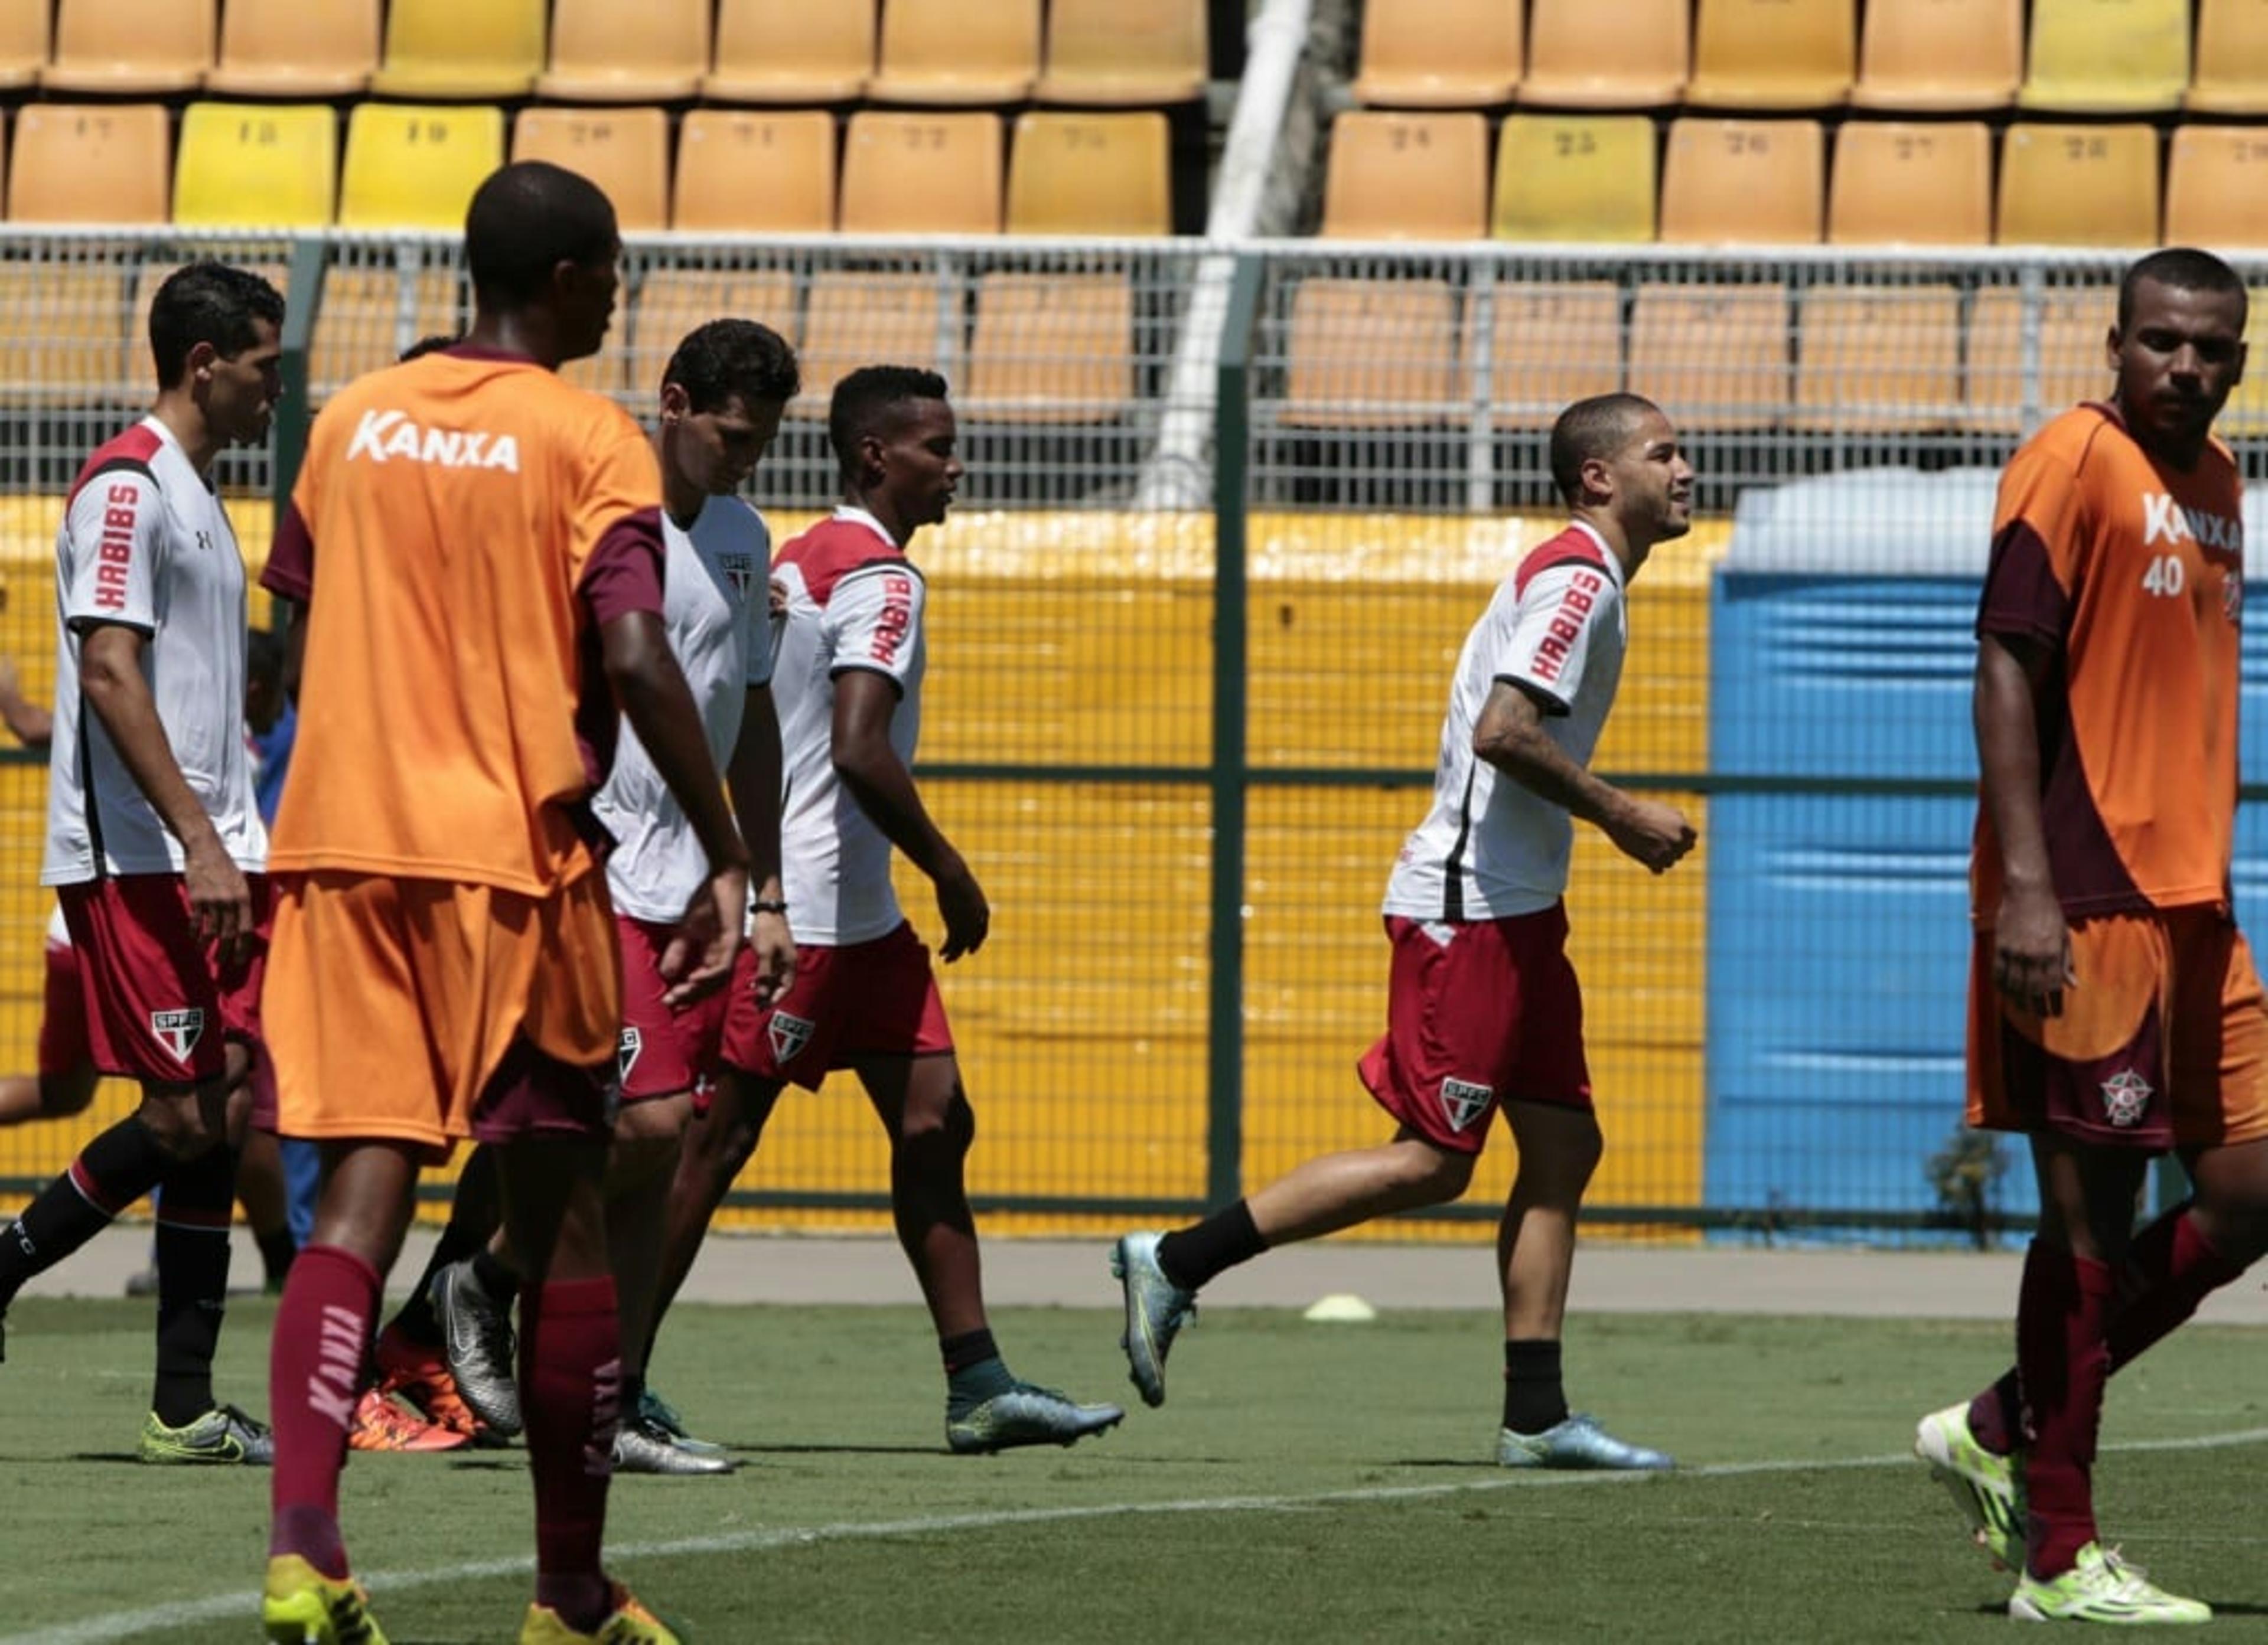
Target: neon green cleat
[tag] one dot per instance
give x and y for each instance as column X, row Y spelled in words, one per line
column 302, row 1606
column 2102, row 1588
column 1982, row 1485
column 630, row 1623
column 223, row 1434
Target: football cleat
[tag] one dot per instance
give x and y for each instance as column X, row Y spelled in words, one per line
column 629, row 1623
column 416, row 1374
column 1577, row 1442
column 222, row 1434
column 302, row 1606
column 640, row 1447
column 1026, row 1415
column 2101, row 1587
column 1156, row 1310
column 1982, row 1485
column 476, row 1336
column 657, row 1412
column 382, row 1423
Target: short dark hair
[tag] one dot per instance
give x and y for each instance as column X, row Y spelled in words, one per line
column 263, row 657
column 865, row 401
column 208, row 302
column 2181, row 269
column 524, row 220
column 726, row 358
column 1596, row 426
column 433, row 344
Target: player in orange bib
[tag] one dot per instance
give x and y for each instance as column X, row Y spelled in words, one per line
column 2114, row 1008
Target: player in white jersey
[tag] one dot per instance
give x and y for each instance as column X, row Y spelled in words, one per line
column 155, row 846
column 1483, row 1010
column 847, row 681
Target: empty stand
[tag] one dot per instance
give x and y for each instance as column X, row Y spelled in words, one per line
column 2246, row 415
column 2108, row 56
column 1718, row 358
column 2073, row 324
column 274, row 166
column 671, row 302
column 1941, row 56
column 64, row 338
column 1090, row 174
column 2078, row 186
column 1574, row 177
column 2232, row 58
column 1407, row 176
column 922, row 173
column 741, row 170
column 415, row 166
column 1607, row 54
column 625, row 152
column 855, row 320
column 369, row 315
column 1122, row 54
column 2217, row 187
column 296, row 49
column 791, row 51
column 1773, row 53
column 1552, row 345
column 957, row 52
column 1050, row 349
column 447, row 49
column 1440, row 54
column 1371, row 354
column 1734, row 180
column 626, row 51
column 91, row 163
column 132, row 47
column 25, row 43
column 1901, row 183
column 1877, row 362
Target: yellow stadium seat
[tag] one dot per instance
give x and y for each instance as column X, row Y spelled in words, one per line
column 1574, row 177
column 1404, row 176
column 368, row 315
column 1440, row 54
column 306, row 48
column 1121, row 54
column 449, row 50
column 91, row 163
column 855, row 320
column 791, row 51
column 1733, row 181
column 25, row 43
column 922, row 173
column 267, row 165
column 2074, row 324
column 1715, row 357
column 1773, row 53
column 1371, row 354
column 2232, row 58
column 624, row 150
column 1552, row 345
column 2078, row 186
column 415, row 166
column 1050, row 349
column 957, row 51
column 671, row 302
column 743, row 171
column 2217, row 188
column 1607, row 54
column 1898, row 183
column 63, row 336
column 131, row 46
column 626, row 51
column 1878, row 361
column 2106, row 57
column 1940, row 56
column 1099, row 174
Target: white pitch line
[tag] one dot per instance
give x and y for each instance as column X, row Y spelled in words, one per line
column 121, row 1625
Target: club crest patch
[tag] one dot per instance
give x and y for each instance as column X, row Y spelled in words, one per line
column 1464, row 1102
column 740, row 571
column 2125, row 1098
column 626, row 1051
column 789, row 1036
column 179, row 1031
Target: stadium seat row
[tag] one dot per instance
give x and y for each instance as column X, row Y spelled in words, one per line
column 1395, row 175
column 1919, row 56
column 415, row 166
column 1097, row 52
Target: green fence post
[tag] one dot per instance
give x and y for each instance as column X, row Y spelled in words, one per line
column 295, row 412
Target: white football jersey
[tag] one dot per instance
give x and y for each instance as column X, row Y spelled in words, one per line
column 851, row 601
column 717, row 604
column 146, row 544
column 1489, row 848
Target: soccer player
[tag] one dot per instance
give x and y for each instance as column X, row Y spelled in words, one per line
column 2114, row 1011
column 476, row 549
column 154, row 846
column 1484, row 1010
column 847, row 680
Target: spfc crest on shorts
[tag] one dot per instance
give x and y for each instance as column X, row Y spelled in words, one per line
column 179, row 1031
column 1464, row 1102
column 789, row 1035
column 626, row 1051
column 2125, row 1098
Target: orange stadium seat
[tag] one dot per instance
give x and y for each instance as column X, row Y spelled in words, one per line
column 132, row 47
column 1940, row 56
column 922, row 173
column 791, row 51
column 1900, row 183
column 2074, row 324
column 626, row 51
column 1120, row 54
column 1440, row 54
column 1552, row 345
column 1773, row 53
column 1574, row 177
column 745, row 170
column 2078, row 186
column 1878, row 361
column 1405, row 176
column 415, row 166
column 2232, row 58
column 671, row 302
column 26, row 42
column 1050, row 349
column 957, row 51
column 369, row 315
column 296, row 49
column 2106, row 57
column 91, row 163
column 1732, row 180
column 63, row 339
column 1607, row 54
column 1716, row 355
column 855, row 320
column 624, row 150
column 1083, row 173
column 268, row 164
column 2217, row 188
column 1371, row 354
column 461, row 49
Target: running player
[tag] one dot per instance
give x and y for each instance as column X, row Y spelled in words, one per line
column 1484, row 1010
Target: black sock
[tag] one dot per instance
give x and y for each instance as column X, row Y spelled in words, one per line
column 193, row 1253
column 633, row 1391
column 974, row 1371
column 415, row 1319
column 500, row 1283
column 1532, row 1398
column 1191, row 1257
column 278, row 1249
column 111, row 1174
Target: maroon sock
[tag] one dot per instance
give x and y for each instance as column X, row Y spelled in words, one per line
column 570, row 1373
column 2063, row 1358
column 315, row 1360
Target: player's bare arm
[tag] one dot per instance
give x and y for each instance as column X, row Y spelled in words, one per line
column 752, row 776
column 1511, row 737
column 110, row 673
column 884, row 789
column 2031, row 963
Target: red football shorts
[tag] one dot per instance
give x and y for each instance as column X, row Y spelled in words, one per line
column 875, row 998
column 1478, row 1011
column 665, row 1052
column 63, row 1043
column 160, row 1004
